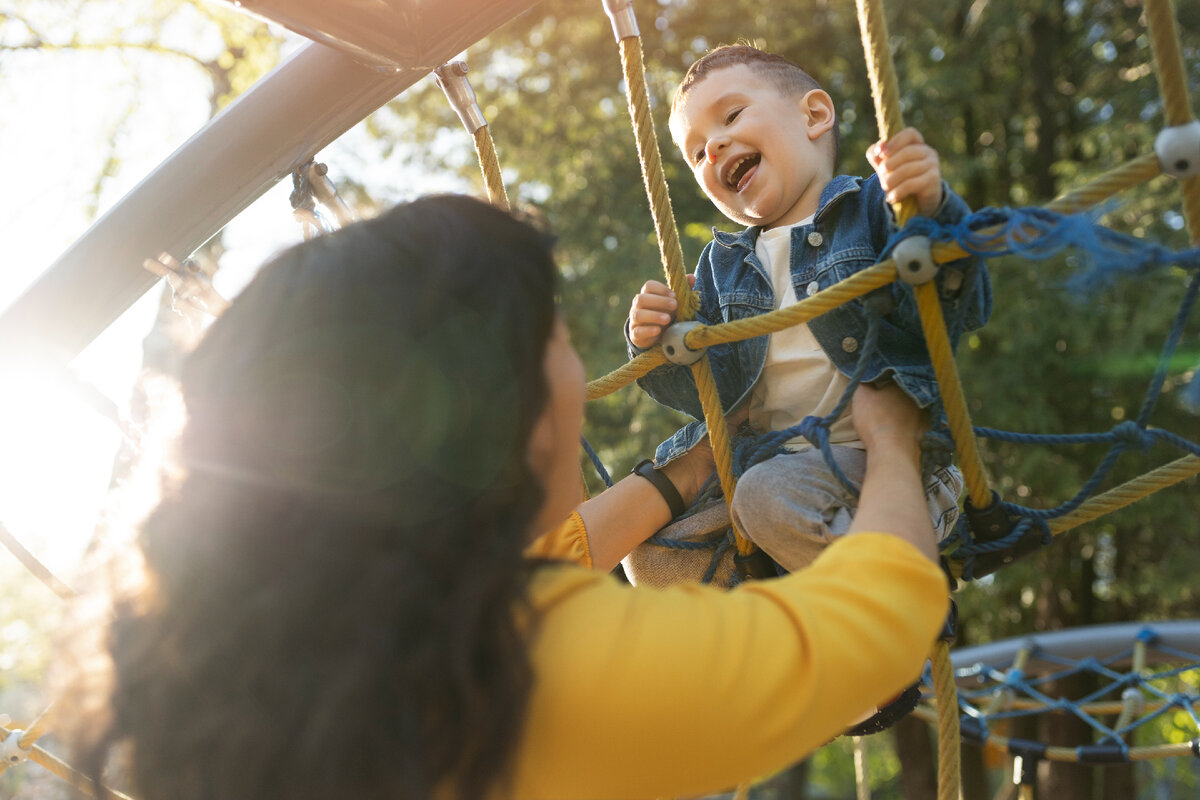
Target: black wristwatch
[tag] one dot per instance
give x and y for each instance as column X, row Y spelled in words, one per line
column 669, row 493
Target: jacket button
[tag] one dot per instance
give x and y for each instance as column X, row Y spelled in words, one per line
column 816, row 239
column 812, row 288
column 849, row 344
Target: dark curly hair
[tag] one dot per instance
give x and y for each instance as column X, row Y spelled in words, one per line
column 338, row 580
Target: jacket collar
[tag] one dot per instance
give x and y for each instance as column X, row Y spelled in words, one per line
column 833, row 192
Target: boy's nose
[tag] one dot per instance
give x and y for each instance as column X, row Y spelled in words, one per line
column 712, row 149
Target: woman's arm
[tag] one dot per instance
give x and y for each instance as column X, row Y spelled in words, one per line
column 632, row 510
column 892, row 499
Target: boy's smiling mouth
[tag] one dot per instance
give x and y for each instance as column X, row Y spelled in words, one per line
column 739, row 173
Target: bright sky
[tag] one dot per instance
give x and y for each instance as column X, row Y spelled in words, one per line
column 68, row 118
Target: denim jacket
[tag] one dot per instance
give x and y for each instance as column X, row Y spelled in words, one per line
column 849, row 232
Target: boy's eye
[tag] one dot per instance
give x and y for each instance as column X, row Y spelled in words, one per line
column 698, row 156
column 732, row 115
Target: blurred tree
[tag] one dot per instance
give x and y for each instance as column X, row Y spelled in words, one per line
column 1022, row 100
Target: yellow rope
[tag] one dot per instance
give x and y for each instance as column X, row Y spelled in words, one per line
column 1132, row 173
column 61, row 769
column 1098, row 709
column 885, row 90
column 626, row 374
column 886, row 93
column 718, row 437
column 669, row 247
column 489, row 164
column 36, row 730
column 1118, row 497
column 946, row 370
column 1128, row 493
column 37, row 568
column 842, row 292
column 1071, row 754
column 1135, row 172
column 1168, row 63
column 671, row 253
column 949, row 752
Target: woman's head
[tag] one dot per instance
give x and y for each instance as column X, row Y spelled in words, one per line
column 403, row 353
column 334, row 581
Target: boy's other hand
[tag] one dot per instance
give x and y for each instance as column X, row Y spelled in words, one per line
column 653, row 309
column 907, row 167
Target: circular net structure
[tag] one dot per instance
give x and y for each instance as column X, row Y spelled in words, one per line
column 1137, row 693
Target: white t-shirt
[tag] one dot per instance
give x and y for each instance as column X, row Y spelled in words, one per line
column 798, row 379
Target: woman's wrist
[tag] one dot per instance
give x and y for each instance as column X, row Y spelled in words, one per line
column 667, row 488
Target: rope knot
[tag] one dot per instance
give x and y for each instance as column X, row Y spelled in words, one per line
column 1132, row 435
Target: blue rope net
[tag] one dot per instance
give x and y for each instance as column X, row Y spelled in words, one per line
column 1129, row 708
column 1031, row 233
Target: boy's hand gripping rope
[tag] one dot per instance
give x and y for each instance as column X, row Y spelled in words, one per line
column 625, row 30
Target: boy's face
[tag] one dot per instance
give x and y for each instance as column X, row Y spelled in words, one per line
column 754, row 150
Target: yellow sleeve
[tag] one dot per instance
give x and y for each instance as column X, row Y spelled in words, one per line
column 567, row 542
column 643, row 693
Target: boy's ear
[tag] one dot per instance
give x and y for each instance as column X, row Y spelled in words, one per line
column 817, row 105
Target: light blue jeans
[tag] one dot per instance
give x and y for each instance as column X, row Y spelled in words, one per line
column 792, row 505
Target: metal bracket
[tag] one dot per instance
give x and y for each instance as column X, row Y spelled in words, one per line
column 1178, row 149
column 452, row 78
column 914, row 260
column 11, row 751
column 674, row 346
column 624, row 21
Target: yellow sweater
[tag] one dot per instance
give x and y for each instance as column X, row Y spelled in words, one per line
column 644, row 693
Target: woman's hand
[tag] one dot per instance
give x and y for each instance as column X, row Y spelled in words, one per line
column 892, row 500
column 887, row 416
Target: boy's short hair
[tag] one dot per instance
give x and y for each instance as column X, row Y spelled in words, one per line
column 786, row 76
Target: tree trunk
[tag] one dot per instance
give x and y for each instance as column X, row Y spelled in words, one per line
column 918, row 759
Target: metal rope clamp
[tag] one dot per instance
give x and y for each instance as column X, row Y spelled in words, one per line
column 11, row 751
column 452, row 78
column 624, row 21
column 675, row 347
column 1178, row 150
column 914, row 262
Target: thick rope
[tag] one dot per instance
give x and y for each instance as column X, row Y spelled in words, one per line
column 718, row 437
column 670, row 250
column 626, row 374
column 1168, row 64
column 66, row 772
column 489, row 165
column 671, row 253
column 1071, row 755
column 886, row 93
column 842, row 292
column 36, row 730
column 1128, row 493
column 885, row 90
column 946, row 370
column 37, row 568
column 1134, row 172
column 949, row 752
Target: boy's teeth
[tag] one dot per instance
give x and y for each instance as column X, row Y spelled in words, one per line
column 739, row 170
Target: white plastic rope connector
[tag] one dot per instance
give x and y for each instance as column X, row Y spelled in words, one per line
column 1178, row 149
column 624, row 22
column 452, row 78
column 675, row 348
column 11, row 751
column 914, row 262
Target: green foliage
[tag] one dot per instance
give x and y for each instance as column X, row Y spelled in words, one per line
column 1023, row 100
